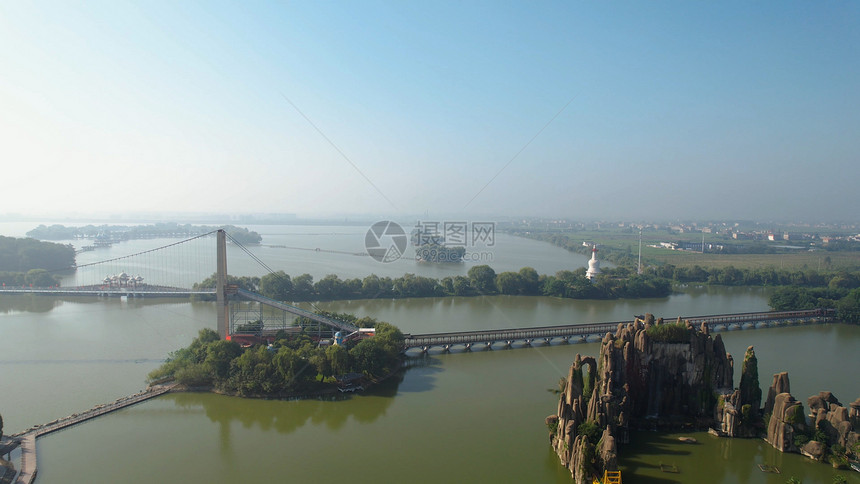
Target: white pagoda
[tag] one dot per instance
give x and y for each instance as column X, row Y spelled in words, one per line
column 593, row 265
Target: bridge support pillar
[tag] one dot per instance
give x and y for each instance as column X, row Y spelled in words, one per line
column 221, row 284
column 447, row 347
column 547, row 340
column 468, row 346
column 489, row 344
column 528, row 341
column 425, row 349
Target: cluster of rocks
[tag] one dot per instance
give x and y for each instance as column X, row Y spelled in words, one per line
column 680, row 374
column 831, row 422
column 636, row 379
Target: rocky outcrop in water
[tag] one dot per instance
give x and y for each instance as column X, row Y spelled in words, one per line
column 786, row 421
column 832, row 432
column 738, row 412
column 647, row 374
column 780, row 385
column 835, row 420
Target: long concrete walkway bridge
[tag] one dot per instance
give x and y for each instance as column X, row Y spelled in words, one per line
column 582, row 332
column 28, row 468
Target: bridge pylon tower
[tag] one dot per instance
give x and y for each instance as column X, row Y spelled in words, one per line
column 221, row 284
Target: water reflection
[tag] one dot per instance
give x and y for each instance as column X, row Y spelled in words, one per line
column 29, row 303
column 423, row 370
column 36, row 303
column 286, row 417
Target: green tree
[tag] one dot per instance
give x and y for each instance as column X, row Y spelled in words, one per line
column 462, row 286
column 369, row 356
column 370, row 287
column 530, row 281
column 329, row 287
column 290, row 365
column 848, row 308
column 40, row 278
column 219, row 354
column 510, row 283
column 338, row 357
column 277, row 285
column 303, row 287
column 483, row 279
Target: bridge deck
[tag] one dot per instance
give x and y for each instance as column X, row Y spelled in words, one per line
column 509, row 335
column 94, row 291
column 28, row 437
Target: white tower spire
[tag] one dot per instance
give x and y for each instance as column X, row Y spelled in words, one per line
column 593, row 265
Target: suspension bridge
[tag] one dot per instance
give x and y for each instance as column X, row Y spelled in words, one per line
column 168, row 272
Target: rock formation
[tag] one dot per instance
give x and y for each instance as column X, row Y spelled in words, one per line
column 738, row 412
column 780, row 385
column 786, row 420
column 650, row 373
column 646, row 372
column 831, row 424
column 838, row 423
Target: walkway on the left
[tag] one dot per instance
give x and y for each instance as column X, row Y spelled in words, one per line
column 27, row 474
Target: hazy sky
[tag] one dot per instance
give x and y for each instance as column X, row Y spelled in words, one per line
column 623, row 110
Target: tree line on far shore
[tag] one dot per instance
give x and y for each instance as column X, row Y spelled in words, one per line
column 27, row 261
column 480, row 280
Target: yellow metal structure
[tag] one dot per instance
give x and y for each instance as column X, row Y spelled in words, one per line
column 609, row 477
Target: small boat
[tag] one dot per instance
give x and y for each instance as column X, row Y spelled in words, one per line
column 688, row 440
column 855, row 466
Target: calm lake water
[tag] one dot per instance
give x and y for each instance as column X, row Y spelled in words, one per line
column 474, row 416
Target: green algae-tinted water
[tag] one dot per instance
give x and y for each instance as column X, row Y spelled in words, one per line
column 449, row 417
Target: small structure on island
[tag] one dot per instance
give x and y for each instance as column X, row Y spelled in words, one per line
column 593, row 265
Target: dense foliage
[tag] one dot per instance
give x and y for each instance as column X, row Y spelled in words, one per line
column 676, row 332
column 27, row 261
column 845, row 301
column 294, row 363
column 480, row 280
column 167, row 229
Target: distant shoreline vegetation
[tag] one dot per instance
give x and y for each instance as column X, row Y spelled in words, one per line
column 725, row 276
column 27, row 261
column 126, row 232
column 614, row 283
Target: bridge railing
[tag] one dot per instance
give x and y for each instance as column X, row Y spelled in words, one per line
column 585, row 329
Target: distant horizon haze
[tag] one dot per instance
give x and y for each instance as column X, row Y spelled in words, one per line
column 625, row 110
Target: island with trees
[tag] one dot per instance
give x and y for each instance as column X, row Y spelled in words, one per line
column 294, row 365
column 126, row 232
